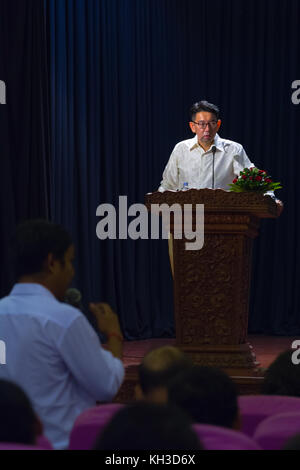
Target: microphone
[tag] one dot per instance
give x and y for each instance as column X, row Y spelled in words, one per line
column 213, row 149
column 73, row 297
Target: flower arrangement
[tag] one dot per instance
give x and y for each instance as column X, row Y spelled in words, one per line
column 253, row 179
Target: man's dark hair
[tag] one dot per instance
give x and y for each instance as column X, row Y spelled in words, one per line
column 207, row 394
column 160, row 366
column 203, row 106
column 148, row 426
column 282, row 377
column 34, row 240
column 17, row 418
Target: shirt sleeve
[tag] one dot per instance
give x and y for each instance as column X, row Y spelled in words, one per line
column 241, row 161
column 95, row 369
column 170, row 179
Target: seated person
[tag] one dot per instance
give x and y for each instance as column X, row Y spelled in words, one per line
column 282, row 377
column 207, row 395
column 148, row 426
column 18, row 422
column 52, row 351
column 156, row 370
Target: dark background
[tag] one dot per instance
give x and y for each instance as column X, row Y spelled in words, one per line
column 98, row 93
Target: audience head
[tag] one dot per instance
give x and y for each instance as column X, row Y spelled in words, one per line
column 148, row 426
column 208, row 395
column 293, row 443
column 44, row 253
column 282, row 377
column 18, row 421
column 158, row 368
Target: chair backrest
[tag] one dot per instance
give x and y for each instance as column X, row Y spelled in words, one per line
column 42, row 441
column 16, row 446
column 273, row 432
column 218, row 438
column 89, row 424
column 256, row 408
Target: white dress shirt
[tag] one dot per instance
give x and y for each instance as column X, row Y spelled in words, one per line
column 189, row 163
column 53, row 353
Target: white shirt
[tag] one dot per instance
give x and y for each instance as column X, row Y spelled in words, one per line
column 189, row 163
column 53, row 353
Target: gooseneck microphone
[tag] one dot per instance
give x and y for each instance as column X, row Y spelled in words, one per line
column 213, row 149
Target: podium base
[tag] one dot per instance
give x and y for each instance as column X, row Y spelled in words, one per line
column 235, row 360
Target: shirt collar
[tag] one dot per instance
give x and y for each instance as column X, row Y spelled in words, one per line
column 28, row 288
column 217, row 142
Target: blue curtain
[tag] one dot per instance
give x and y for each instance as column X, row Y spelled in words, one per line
column 24, row 124
column 123, row 74
column 109, row 100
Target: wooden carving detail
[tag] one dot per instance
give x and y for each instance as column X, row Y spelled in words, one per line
column 211, row 285
column 217, row 199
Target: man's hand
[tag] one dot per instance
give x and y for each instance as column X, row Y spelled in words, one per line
column 108, row 321
column 279, row 206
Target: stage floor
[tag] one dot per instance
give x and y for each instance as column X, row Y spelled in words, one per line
column 266, row 348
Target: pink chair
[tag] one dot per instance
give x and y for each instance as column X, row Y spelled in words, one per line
column 16, row 446
column 256, row 408
column 218, row 438
column 273, row 432
column 43, row 442
column 89, row 424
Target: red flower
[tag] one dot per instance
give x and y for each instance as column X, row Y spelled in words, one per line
column 244, row 177
column 267, row 180
column 252, row 168
column 258, row 178
column 235, row 180
column 251, row 178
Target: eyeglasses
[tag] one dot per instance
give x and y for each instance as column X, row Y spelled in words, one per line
column 203, row 124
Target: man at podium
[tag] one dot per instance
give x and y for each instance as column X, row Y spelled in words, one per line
column 206, row 160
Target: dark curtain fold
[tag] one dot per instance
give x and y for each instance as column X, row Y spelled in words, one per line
column 24, row 123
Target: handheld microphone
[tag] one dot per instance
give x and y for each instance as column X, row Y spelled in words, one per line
column 213, row 149
column 73, row 297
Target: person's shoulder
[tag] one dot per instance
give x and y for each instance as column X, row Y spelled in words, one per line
column 185, row 144
column 64, row 313
column 230, row 145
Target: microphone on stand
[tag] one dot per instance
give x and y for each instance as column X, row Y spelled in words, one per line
column 213, row 149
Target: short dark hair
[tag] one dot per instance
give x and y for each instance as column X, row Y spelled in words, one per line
column 207, row 394
column 148, row 426
column 17, row 418
column 160, row 366
column 282, row 377
column 34, row 240
column 203, row 106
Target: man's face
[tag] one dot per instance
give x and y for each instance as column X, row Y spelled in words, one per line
column 63, row 273
column 205, row 134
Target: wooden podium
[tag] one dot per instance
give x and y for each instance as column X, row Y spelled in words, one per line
column 212, row 285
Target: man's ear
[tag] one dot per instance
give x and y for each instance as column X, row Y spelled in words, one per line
column 192, row 127
column 50, row 263
column 219, row 124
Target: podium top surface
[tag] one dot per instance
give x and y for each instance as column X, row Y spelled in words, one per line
column 218, row 200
